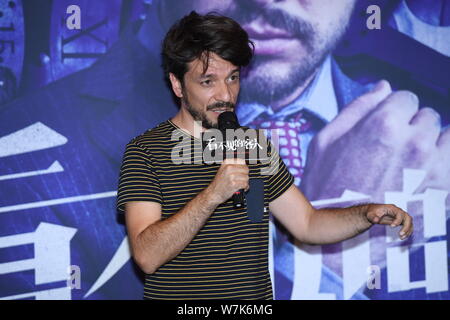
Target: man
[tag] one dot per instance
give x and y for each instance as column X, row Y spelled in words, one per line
column 344, row 139
column 184, row 232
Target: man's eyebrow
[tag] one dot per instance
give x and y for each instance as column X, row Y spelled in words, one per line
column 234, row 71
column 207, row 76
column 212, row 75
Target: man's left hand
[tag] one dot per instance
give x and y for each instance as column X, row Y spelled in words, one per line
column 389, row 214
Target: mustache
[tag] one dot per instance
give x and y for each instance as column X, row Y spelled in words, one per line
column 279, row 19
column 221, row 105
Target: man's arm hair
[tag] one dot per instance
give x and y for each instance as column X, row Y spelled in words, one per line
column 163, row 240
column 331, row 225
column 318, row 226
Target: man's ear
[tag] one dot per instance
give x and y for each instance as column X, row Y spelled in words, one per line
column 176, row 85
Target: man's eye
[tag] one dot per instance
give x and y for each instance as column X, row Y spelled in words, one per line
column 206, row 82
column 234, row 77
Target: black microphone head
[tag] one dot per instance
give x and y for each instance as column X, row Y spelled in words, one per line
column 228, row 120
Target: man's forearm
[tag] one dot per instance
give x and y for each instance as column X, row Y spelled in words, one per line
column 162, row 241
column 330, row 225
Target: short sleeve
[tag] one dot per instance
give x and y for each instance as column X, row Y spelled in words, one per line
column 280, row 179
column 138, row 180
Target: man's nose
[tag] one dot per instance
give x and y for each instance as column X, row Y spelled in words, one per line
column 223, row 93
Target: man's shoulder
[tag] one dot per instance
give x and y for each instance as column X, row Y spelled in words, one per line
column 157, row 136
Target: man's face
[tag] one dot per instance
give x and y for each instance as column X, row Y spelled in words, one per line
column 292, row 38
column 204, row 95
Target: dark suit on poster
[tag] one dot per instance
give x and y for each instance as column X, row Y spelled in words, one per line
column 98, row 110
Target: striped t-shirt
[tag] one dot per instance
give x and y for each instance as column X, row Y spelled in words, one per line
column 228, row 258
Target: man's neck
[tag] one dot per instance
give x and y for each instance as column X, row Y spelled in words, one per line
column 185, row 122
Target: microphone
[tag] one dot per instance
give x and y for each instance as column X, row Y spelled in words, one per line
column 228, row 120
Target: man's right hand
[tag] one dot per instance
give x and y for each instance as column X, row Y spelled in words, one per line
column 233, row 175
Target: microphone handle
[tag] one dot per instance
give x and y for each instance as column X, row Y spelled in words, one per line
column 239, row 199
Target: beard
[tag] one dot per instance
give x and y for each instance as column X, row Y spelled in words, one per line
column 265, row 84
column 270, row 79
column 201, row 116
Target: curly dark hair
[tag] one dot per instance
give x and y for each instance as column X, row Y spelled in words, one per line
column 196, row 36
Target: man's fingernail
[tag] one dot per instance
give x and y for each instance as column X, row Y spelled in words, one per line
column 379, row 85
column 414, row 97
